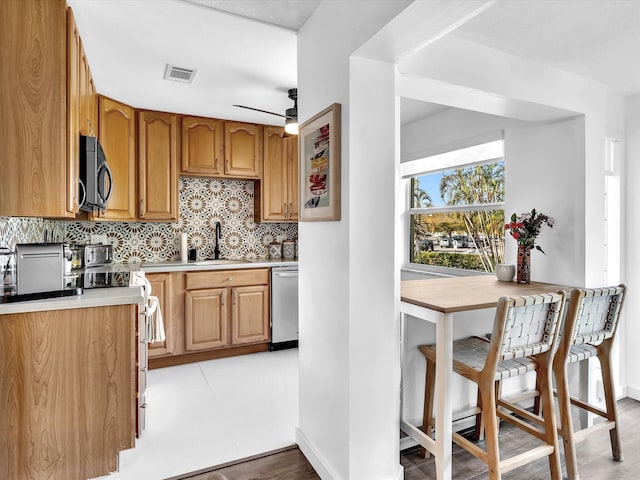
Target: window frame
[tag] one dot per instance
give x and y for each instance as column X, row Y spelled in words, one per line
column 415, row 168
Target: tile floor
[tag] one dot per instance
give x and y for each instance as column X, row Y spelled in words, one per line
column 207, row 413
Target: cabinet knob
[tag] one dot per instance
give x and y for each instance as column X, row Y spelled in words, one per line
column 229, row 279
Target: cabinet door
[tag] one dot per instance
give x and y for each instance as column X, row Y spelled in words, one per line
column 243, row 150
column 117, row 135
column 157, row 166
column 202, row 151
column 273, row 189
column 206, row 321
column 74, row 106
column 88, row 121
column 293, row 181
column 250, row 314
column 162, row 287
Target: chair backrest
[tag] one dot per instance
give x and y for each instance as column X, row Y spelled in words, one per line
column 531, row 325
column 593, row 315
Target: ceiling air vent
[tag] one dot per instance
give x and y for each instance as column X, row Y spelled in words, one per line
column 179, row 74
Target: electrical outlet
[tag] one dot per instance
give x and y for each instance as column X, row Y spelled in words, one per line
column 281, row 238
column 98, row 239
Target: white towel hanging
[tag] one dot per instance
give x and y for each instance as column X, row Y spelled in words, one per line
column 156, row 323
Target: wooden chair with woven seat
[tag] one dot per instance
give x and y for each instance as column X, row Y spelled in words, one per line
column 524, row 327
column 590, row 328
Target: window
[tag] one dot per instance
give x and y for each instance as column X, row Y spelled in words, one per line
column 456, row 213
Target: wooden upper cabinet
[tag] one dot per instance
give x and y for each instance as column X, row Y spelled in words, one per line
column 81, row 108
column 117, row 130
column 157, row 165
column 273, row 189
column 202, row 150
column 277, row 193
column 243, row 150
column 33, row 110
column 88, row 99
column 293, row 180
column 74, row 106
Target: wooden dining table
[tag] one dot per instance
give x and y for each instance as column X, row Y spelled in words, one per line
column 437, row 301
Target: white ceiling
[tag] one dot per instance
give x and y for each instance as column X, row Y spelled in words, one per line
column 285, row 13
column 599, row 39
column 245, row 50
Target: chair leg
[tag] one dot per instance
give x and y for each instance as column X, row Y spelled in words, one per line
column 536, row 400
column 488, row 395
column 604, row 355
column 566, row 421
column 548, row 413
column 478, row 433
column 427, row 415
column 479, row 429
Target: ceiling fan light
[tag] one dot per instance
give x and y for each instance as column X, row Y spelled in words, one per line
column 291, row 121
column 291, row 126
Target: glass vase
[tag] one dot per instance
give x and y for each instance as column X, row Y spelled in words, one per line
column 524, row 264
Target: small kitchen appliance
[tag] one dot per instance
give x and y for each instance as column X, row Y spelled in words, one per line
column 40, row 267
column 97, row 255
column 95, row 176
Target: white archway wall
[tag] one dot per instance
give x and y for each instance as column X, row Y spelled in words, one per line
column 333, row 342
column 630, row 271
column 334, row 331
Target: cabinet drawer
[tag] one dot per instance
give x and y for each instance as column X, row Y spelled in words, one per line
column 227, row 278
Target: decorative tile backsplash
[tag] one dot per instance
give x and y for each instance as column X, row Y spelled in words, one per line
column 29, row 230
column 203, row 202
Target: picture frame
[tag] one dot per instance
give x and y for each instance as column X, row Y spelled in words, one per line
column 319, row 143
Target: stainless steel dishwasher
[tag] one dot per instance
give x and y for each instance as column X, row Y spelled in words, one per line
column 284, row 308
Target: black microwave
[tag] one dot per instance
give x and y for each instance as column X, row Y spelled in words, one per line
column 96, row 181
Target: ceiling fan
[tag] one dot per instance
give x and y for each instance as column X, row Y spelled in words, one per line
column 290, row 114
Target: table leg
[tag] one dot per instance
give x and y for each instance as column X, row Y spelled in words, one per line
column 443, row 395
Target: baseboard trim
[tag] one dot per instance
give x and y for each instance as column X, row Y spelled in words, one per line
column 633, row 392
column 320, row 465
column 316, row 460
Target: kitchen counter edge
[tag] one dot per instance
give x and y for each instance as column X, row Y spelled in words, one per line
column 190, row 266
column 95, row 297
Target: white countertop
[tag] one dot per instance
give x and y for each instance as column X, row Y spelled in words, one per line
column 215, row 265
column 95, row 297
column 101, row 297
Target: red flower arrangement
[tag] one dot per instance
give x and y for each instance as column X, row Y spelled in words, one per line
column 525, row 228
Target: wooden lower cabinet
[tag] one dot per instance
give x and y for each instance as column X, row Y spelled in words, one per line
column 234, row 311
column 166, row 286
column 211, row 314
column 206, row 319
column 249, row 314
column 67, row 387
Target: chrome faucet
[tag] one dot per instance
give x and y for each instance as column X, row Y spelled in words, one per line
column 216, row 250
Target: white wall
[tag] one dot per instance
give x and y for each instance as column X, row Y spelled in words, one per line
column 631, row 273
column 337, row 382
column 544, row 170
column 342, row 326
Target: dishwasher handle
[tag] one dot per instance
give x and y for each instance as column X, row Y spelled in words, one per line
column 289, row 274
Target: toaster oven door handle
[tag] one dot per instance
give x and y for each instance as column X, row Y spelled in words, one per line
column 104, row 169
column 40, row 255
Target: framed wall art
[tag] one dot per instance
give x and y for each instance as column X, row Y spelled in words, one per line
column 319, row 143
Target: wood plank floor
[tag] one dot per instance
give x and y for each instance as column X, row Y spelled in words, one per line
column 594, row 459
